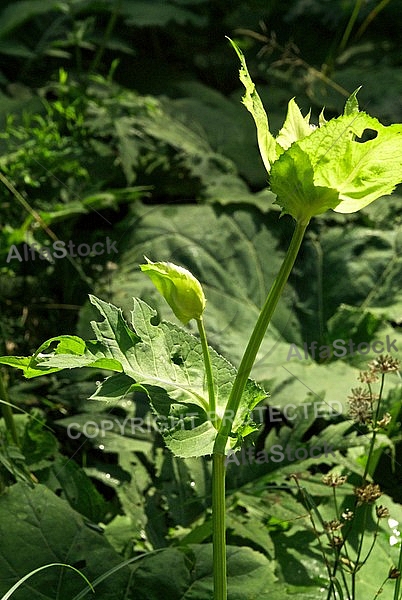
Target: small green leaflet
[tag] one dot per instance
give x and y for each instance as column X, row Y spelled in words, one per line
column 162, row 360
column 253, row 103
column 296, row 127
column 352, row 104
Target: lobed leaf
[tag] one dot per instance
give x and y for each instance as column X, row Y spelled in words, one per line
column 335, row 168
column 161, row 359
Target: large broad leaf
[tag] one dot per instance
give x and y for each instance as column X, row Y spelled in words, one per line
column 17, row 13
column 250, row 574
column 353, row 275
column 161, row 359
column 236, row 257
column 38, row 528
column 158, row 13
column 331, row 167
column 229, row 131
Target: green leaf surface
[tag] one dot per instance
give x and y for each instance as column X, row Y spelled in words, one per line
column 71, row 352
column 334, row 158
column 66, row 479
column 17, row 13
column 229, row 131
column 361, row 171
column 253, row 103
column 165, row 360
column 352, row 104
column 158, row 13
column 250, row 574
column 353, row 275
column 40, row 515
column 296, row 127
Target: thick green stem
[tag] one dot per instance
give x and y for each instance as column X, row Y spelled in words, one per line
column 209, row 374
column 219, row 526
column 218, row 481
column 218, row 464
column 256, row 338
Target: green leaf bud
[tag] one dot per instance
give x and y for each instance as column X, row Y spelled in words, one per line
column 181, row 290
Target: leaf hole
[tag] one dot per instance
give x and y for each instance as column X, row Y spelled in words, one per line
column 155, row 320
column 177, row 358
column 366, row 136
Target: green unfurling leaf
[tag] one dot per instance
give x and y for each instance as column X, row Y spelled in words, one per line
column 292, row 180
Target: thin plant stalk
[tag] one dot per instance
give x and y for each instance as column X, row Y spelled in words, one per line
column 398, row 581
column 370, row 17
column 8, row 413
column 106, row 37
column 36, row 216
column 11, row 591
column 354, row 572
column 373, row 437
column 350, row 25
column 208, row 372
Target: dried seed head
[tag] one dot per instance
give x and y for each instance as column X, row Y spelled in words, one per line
column 333, row 480
column 394, row 573
column 333, row 525
column 348, row 514
column 336, row 541
column 367, row 493
column 386, row 420
column 382, row 512
column 384, row 364
column 361, row 405
column 368, row 376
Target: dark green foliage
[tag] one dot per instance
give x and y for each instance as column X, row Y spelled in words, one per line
column 122, row 118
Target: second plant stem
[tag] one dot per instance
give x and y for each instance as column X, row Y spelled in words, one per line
column 247, row 362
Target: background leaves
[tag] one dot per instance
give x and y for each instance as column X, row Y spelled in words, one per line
column 123, row 119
